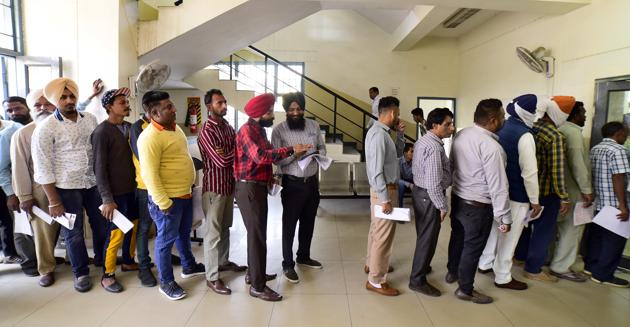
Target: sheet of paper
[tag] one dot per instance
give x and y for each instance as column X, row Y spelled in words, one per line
column 607, row 218
column 583, row 215
column 120, row 221
column 323, row 161
column 21, row 224
column 67, row 220
column 304, row 162
column 43, row 215
column 274, row 189
column 401, row 214
column 529, row 217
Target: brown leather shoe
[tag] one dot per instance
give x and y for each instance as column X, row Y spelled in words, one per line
column 475, row 297
column 266, row 294
column 47, row 279
column 219, row 287
column 384, row 290
column 231, row 266
column 130, row 267
column 268, row 277
column 451, row 278
column 513, row 285
column 426, row 289
column 366, row 269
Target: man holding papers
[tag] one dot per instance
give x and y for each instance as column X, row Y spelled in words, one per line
column 517, row 141
column 30, row 193
column 383, row 172
column 64, row 165
column 480, row 193
column 431, row 177
column 609, row 161
column 300, row 187
column 115, row 174
column 578, row 180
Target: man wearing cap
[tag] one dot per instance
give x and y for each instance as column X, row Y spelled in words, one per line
column 29, row 192
column 300, row 188
column 216, row 145
column 168, row 173
column 63, row 164
column 253, row 173
column 534, row 243
column 517, row 141
column 578, row 178
column 114, row 172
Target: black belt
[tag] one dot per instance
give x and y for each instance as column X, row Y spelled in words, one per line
column 476, row 203
column 301, row 179
column 253, row 182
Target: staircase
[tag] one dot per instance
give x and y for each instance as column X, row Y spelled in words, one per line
column 249, row 72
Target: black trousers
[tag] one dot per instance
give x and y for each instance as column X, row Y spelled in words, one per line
column 471, row 226
column 6, row 228
column 252, row 202
column 427, row 231
column 300, row 200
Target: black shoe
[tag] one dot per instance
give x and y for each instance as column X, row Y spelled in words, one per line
column 267, row 278
column 30, row 272
column 83, row 284
column 451, row 278
column 310, row 263
column 175, row 260
column 475, row 297
column 615, row 282
column 291, row 275
column 266, row 294
column 197, row 269
column 146, row 278
column 172, row 291
column 60, row 260
column 484, row 271
column 426, row 289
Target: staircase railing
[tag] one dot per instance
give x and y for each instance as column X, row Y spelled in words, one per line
column 338, row 100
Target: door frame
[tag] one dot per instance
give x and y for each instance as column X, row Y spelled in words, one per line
column 603, row 87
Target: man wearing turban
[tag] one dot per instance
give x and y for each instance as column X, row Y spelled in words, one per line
column 550, row 155
column 63, row 164
column 253, row 174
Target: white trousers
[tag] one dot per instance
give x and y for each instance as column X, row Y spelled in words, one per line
column 500, row 247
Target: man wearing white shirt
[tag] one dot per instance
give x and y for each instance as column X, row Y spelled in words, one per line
column 517, row 141
column 376, row 98
column 63, row 165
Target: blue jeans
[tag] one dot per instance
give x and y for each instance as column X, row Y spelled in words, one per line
column 144, row 226
column 605, row 249
column 401, row 192
column 74, row 201
column 172, row 227
column 533, row 246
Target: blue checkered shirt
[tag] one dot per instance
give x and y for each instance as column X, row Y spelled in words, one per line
column 608, row 158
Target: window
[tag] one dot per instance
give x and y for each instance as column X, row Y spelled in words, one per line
column 10, row 46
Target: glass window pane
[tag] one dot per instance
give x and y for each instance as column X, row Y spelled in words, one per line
column 5, row 2
column 7, row 20
column 6, row 42
column 12, row 74
column 38, row 76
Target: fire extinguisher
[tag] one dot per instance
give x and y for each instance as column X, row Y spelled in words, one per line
column 193, row 120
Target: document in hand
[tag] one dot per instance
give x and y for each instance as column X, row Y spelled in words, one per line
column 323, row 161
column 43, row 215
column 529, row 217
column 22, row 225
column 607, row 218
column 67, row 220
column 583, row 215
column 120, row 221
column 401, row 214
column 274, row 189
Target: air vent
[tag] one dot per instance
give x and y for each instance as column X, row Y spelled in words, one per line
column 460, row 16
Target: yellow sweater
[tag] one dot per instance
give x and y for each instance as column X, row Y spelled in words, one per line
column 166, row 166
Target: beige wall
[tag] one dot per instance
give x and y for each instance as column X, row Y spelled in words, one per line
column 589, row 43
column 343, row 49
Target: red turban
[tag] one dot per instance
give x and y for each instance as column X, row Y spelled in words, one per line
column 260, row 105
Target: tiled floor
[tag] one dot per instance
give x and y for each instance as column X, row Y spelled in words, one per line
column 334, row 296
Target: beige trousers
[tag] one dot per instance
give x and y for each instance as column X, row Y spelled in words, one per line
column 380, row 240
column 44, row 235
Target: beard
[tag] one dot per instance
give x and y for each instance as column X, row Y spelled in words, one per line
column 296, row 123
column 265, row 122
column 22, row 119
column 41, row 116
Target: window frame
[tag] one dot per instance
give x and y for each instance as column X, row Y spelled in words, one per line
column 16, row 17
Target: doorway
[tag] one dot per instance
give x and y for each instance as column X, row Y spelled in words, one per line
column 429, row 103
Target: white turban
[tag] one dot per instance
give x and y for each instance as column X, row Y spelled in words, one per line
column 33, row 97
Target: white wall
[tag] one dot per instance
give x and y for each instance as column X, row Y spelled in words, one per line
column 589, row 43
column 346, row 51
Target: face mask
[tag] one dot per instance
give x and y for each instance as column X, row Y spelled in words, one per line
column 265, row 122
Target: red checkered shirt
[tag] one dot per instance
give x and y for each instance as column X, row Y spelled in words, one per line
column 254, row 153
column 218, row 169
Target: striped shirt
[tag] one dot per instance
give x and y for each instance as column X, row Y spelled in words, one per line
column 218, row 169
column 432, row 169
column 550, row 152
column 608, row 158
column 283, row 136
